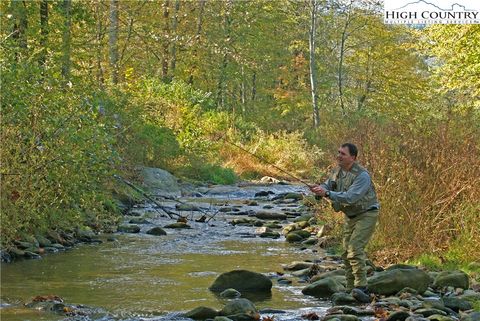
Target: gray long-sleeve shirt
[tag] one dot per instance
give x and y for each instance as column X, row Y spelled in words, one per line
column 355, row 192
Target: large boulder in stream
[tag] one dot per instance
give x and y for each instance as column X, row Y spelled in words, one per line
column 392, row 281
column 160, row 182
column 243, row 281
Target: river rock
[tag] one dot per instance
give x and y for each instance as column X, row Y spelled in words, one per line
column 240, row 309
column 334, row 273
column 157, row 230
column 294, row 237
column 470, row 295
column 24, row 245
column 230, row 293
column 178, row 225
column 43, row 241
column 345, row 309
column 341, row 317
column 457, row 279
column 440, row 317
column 323, row 288
column 473, row 316
column 139, row 220
column 297, row 265
column 85, row 235
column 457, row 304
column 201, row 313
column 160, row 182
column 341, row 298
column 398, row 316
column 188, row 207
column 271, row 235
column 293, row 196
column 392, row 281
column 310, row 241
column 242, row 280
column 220, row 318
column 428, row 312
column 31, row 255
column 5, row 257
column 129, row 228
column 303, row 218
column 263, row 193
column 264, row 215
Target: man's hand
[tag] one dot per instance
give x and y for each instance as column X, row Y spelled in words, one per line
column 319, row 190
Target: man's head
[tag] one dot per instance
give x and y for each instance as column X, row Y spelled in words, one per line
column 347, row 154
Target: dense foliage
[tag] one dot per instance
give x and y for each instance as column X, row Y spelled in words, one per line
column 93, row 88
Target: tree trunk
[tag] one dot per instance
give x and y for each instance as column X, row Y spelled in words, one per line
column 242, row 93
column 99, row 46
column 173, row 61
column 113, row 40
column 254, row 86
column 201, row 4
column 20, row 28
column 66, row 40
column 343, row 41
column 166, row 41
column 223, row 67
column 313, row 74
column 42, row 60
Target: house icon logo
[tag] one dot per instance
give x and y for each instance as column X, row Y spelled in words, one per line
column 431, row 12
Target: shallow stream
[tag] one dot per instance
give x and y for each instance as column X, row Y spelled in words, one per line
column 144, row 277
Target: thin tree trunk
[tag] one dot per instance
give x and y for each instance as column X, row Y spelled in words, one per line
column 166, row 43
column 20, row 28
column 242, row 93
column 42, row 60
column 254, row 86
column 340, row 62
column 173, row 61
column 201, row 4
column 113, row 40
column 368, row 84
column 99, row 47
column 313, row 74
column 66, row 40
column 223, row 68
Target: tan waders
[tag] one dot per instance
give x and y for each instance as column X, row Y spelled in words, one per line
column 357, row 232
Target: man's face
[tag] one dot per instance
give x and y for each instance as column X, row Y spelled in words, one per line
column 344, row 159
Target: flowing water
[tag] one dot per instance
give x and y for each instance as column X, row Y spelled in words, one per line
column 139, row 276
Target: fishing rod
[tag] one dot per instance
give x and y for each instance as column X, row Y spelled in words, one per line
column 163, row 208
column 266, row 162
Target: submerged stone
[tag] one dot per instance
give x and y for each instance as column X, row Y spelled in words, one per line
column 129, row 228
column 157, row 230
column 239, row 306
column 201, row 313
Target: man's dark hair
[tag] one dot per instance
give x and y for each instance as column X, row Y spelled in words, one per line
column 352, row 149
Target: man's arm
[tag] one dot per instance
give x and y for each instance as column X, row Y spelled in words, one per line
column 356, row 191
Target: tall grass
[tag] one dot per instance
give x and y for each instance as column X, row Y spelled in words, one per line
column 428, row 184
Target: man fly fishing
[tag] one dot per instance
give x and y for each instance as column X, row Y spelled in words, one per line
column 351, row 191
